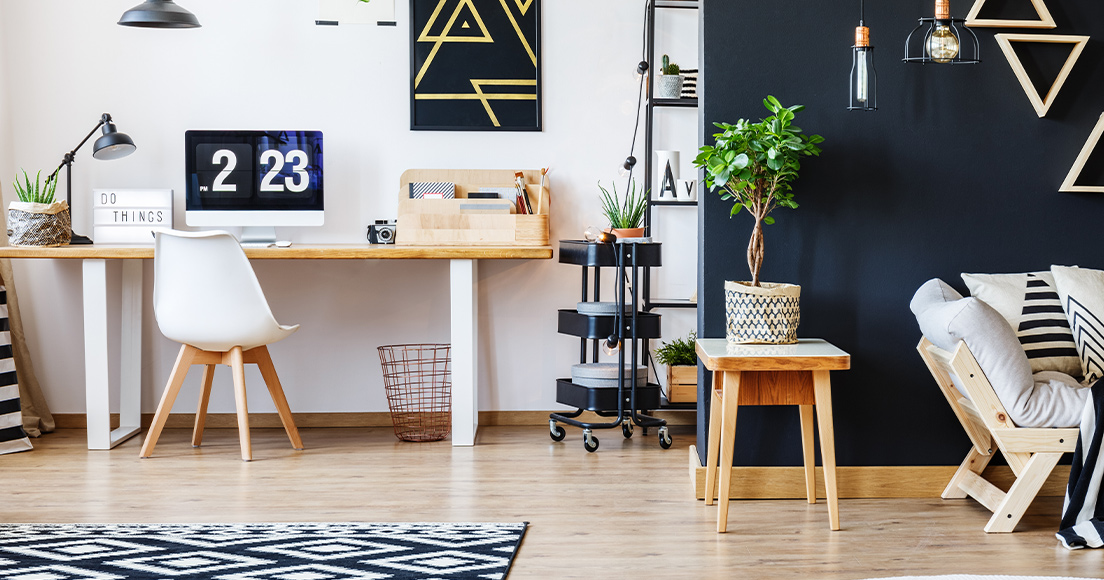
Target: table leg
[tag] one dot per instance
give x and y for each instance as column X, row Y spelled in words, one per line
column 97, row 388
column 712, row 447
column 822, row 387
column 808, row 448
column 729, row 402
column 464, row 286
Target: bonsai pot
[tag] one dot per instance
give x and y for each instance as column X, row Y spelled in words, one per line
column 762, row 315
column 39, row 224
column 670, row 87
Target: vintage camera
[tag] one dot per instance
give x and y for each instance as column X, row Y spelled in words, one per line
column 382, row 232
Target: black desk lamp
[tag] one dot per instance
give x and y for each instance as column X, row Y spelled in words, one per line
column 111, row 145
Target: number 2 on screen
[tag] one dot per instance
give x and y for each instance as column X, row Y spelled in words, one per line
column 297, row 184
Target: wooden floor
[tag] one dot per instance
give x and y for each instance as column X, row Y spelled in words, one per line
column 625, row 511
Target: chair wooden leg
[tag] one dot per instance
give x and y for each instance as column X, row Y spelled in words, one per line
column 974, row 463
column 268, row 371
column 237, row 369
column 1022, row 492
column 808, row 449
column 176, row 379
column 201, row 410
column 713, row 451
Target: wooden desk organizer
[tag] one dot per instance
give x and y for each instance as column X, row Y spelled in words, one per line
column 432, row 222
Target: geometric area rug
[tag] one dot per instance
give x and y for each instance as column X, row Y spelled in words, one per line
column 286, row 551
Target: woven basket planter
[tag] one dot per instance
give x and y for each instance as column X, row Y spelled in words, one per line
column 762, row 315
column 39, row 224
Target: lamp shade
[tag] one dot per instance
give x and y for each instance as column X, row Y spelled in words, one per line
column 113, row 144
column 159, row 14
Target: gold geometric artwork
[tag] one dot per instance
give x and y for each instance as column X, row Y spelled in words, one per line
column 1075, row 172
column 1045, row 19
column 1041, row 104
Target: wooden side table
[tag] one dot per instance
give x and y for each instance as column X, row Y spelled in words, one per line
column 754, row 374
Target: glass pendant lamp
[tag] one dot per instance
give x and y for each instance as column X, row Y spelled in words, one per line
column 864, row 80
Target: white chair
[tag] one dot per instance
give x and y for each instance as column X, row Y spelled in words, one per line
column 206, row 296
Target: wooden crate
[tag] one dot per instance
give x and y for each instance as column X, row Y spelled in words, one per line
column 455, row 222
column 682, row 384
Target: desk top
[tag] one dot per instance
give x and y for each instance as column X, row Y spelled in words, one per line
column 299, row 252
column 809, row 354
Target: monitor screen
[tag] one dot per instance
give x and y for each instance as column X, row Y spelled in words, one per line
column 253, row 178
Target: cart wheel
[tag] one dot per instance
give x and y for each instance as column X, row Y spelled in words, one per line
column 556, row 432
column 627, row 429
column 590, row 442
column 664, row 438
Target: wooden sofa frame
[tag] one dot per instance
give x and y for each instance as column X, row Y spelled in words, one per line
column 1031, row 453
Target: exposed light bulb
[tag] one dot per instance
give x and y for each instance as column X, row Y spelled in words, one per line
column 862, row 77
column 627, row 167
column 943, row 45
column 641, row 69
column 611, row 345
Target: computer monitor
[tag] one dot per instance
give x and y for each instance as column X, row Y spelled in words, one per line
column 254, row 179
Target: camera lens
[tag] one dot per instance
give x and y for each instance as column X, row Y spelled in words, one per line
column 385, row 234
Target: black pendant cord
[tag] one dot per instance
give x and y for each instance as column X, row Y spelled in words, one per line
column 639, row 95
column 862, row 12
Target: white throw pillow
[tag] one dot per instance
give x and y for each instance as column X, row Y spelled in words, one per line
column 1030, row 304
column 1082, row 293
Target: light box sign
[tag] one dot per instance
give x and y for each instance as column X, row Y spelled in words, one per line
column 128, row 216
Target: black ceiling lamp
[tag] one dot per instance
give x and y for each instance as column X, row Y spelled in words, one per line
column 159, row 14
column 943, row 41
column 864, row 81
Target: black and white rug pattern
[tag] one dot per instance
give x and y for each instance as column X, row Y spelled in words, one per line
column 298, row 551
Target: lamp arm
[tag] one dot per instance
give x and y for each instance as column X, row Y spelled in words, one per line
column 68, row 159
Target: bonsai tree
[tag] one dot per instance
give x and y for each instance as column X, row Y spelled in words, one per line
column 755, row 164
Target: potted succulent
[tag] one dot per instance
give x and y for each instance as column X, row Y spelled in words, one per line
column 755, row 164
column 682, row 369
column 625, row 215
column 36, row 219
column 670, row 81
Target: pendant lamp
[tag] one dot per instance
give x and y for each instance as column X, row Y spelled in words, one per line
column 944, row 41
column 159, row 14
column 864, row 80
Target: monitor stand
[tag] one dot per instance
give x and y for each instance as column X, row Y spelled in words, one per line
column 258, row 236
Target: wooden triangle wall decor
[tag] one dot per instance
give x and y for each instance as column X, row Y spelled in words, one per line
column 1069, row 185
column 1045, row 19
column 1041, row 104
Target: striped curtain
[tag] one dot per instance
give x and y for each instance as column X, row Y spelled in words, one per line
column 12, row 436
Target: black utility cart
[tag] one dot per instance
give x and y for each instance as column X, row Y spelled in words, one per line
column 624, row 399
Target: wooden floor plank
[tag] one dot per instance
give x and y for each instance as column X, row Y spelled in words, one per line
column 628, row 507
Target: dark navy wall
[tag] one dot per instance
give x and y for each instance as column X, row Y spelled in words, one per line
column 954, row 173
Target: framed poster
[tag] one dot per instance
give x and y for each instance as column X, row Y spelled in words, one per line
column 475, row 65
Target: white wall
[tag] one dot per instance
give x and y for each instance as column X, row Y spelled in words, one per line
column 263, row 64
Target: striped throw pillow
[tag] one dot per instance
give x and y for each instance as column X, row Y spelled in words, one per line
column 1082, row 295
column 1030, row 304
column 12, row 436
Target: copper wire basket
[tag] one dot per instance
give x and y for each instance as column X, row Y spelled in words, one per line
column 418, row 381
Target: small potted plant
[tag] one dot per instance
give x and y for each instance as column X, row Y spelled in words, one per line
column 36, row 219
column 755, row 164
column 670, row 81
column 682, row 369
column 625, row 215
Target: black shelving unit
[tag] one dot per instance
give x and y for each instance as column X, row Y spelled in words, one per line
column 649, row 303
column 632, row 328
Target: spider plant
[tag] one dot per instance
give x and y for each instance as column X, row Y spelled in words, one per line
column 624, row 213
column 35, row 192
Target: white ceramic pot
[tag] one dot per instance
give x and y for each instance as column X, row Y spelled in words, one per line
column 670, row 87
column 762, row 315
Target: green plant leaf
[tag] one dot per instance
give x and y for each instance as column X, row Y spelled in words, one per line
column 768, row 220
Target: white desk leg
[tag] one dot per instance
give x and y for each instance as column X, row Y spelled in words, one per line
column 464, row 276
column 130, row 354
column 97, row 388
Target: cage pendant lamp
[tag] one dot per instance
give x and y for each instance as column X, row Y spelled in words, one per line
column 944, row 40
column 864, row 80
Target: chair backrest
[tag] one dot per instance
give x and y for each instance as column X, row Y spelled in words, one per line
column 205, row 293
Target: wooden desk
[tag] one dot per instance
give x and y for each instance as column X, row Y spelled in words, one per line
column 464, row 296
column 753, row 374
